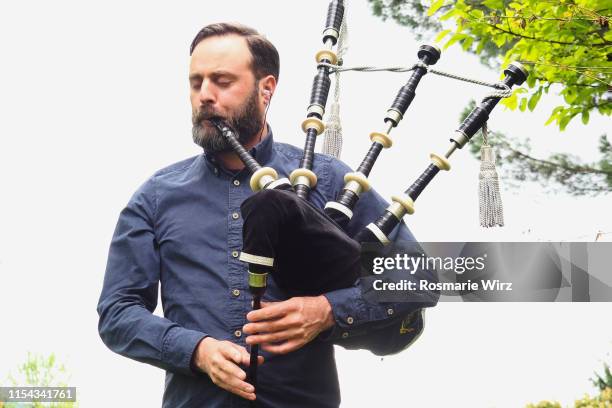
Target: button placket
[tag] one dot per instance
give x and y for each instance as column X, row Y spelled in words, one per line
column 237, row 276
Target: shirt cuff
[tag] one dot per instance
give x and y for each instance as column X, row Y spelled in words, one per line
column 348, row 309
column 179, row 347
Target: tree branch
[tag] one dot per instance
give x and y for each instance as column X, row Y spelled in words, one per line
column 580, row 169
column 603, row 44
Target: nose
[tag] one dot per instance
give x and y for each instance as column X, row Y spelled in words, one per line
column 207, row 93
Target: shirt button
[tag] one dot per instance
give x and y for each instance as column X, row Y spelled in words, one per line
column 236, row 183
column 235, row 215
column 389, row 312
column 235, row 254
column 236, row 292
column 349, row 320
column 237, row 333
column 344, row 335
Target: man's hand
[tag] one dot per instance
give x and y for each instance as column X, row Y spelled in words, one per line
column 282, row 327
column 220, row 360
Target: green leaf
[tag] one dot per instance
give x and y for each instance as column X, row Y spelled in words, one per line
column 441, row 35
column 494, row 4
column 467, row 43
column 531, row 80
column 477, row 13
column 554, row 115
column 523, row 104
column 569, row 95
column 541, row 6
column 450, row 13
column 499, row 40
column 454, row 39
column 558, row 110
column 481, row 45
column 510, row 102
column 585, row 116
column 435, row 6
column 533, row 100
column 563, row 122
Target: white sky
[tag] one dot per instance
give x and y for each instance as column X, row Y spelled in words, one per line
column 94, row 99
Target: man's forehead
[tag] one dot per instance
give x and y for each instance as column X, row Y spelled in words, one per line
column 221, row 53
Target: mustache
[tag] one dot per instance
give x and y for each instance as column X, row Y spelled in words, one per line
column 205, row 114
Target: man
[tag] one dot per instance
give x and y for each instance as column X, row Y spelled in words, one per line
column 182, row 229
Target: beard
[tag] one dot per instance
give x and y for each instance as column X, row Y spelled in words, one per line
column 246, row 121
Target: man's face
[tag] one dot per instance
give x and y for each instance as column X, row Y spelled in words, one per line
column 223, row 85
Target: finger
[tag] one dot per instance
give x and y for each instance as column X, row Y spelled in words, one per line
column 233, row 352
column 235, row 379
column 263, row 304
column 232, row 369
column 284, row 323
column 233, row 384
column 273, row 311
column 245, row 356
column 273, row 337
column 283, row 348
column 247, row 362
column 241, row 388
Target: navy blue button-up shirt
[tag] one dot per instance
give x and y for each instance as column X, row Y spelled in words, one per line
column 182, row 230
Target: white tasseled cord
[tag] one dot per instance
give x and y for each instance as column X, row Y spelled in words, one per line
column 332, row 144
column 490, row 203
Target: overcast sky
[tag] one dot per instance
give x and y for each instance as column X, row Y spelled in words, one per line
column 94, row 99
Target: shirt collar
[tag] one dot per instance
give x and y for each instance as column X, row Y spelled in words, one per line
column 262, row 152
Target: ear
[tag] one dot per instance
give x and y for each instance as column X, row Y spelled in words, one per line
column 267, row 95
column 267, row 85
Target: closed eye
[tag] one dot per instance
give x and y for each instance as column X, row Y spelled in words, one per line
column 223, row 82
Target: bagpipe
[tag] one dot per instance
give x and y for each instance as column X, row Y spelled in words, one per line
column 282, row 229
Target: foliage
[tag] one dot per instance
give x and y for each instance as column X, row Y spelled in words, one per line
column 605, row 381
column 413, row 14
column 39, row 371
column 603, row 400
column 514, row 159
column 566, row 45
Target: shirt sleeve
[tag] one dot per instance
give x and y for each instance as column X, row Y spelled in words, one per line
column 127, row 324
column 356, row 314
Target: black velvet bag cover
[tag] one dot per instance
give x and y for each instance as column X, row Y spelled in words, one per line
column 312, row 255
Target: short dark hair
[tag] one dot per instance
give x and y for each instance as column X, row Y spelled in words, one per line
column 265, row 60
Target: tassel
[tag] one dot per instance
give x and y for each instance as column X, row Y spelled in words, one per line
column 491, row 208
column 333, row 128
column 333, row 132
